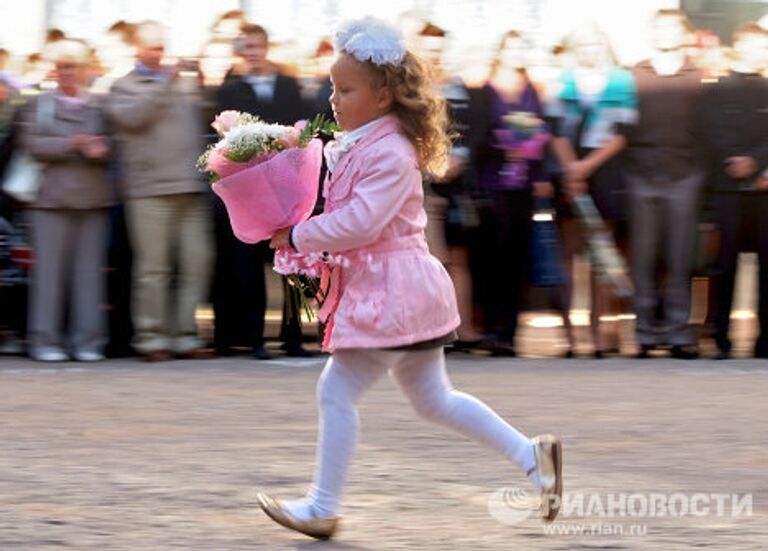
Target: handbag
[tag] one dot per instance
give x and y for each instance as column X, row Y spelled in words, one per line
column 22, row 176
column 22, row 181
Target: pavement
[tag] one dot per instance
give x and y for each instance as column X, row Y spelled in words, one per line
column 124, row 455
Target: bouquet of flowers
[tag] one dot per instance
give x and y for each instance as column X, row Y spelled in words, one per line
column 266, row 174
column 522, row 139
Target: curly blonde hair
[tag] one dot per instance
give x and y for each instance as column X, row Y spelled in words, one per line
column 420, row 109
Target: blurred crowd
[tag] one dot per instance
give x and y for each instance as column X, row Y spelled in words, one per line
column 110, row 240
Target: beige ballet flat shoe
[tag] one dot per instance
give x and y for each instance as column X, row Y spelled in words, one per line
column 548, row 451
column 319, row 528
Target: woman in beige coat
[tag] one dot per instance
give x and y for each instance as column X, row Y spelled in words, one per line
column 64, row 131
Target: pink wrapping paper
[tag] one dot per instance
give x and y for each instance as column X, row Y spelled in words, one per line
column 222, row 166
column 265, row 197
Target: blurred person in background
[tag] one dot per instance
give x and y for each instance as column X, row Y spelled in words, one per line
column 317, row 88
column 13, row 284
column 509, row 175
column 54, row 35
column 547, row 67
column 709, row 55
column 596, row 98
column 715, row 62
column 410, row 23
column 665, row 178
column 7, row 76
column 116, row 53
column 216, row 61
column 452, row 218
column 228, row 25
column 156, row 113
column 65, row 130
column 239, row 288
column 9, row 104
column 228, row 28
column 735, row 130
column 36, row 71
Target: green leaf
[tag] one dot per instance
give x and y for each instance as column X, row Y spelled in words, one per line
column 315, row 126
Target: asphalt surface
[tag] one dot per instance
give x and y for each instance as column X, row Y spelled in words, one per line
column 130, row 456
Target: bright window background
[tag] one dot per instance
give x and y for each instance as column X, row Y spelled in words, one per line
column 476, row 24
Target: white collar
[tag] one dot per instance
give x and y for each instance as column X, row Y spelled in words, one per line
column 348, row 139
column 344, row 141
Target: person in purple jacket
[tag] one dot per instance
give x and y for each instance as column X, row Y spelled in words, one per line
column 509, row 158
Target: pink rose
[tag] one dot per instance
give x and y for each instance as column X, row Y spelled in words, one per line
column 225, row 121
column 290, row 137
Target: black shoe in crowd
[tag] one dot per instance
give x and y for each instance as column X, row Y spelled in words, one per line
column 684, row 352
column 260, row 353
column 644, row 353
column 299, row 352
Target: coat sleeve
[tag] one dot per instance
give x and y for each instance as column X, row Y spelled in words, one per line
column 37, row 135
column 377, row 197
column 134, row 107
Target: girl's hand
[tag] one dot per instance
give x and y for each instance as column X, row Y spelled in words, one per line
column 281, row 239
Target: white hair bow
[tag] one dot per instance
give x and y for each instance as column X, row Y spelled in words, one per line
column 371, row 39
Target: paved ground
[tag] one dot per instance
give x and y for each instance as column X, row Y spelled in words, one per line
column 128, row 456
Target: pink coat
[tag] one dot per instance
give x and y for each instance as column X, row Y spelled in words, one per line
column 393, row 293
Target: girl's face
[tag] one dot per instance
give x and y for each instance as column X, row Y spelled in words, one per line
column 355, row 99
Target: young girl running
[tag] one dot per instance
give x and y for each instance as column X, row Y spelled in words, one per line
column 393, row 307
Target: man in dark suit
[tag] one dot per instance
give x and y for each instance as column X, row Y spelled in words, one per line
column 239, row 290
column 735, row 129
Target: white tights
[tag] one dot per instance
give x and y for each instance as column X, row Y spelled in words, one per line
column 422, row 377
